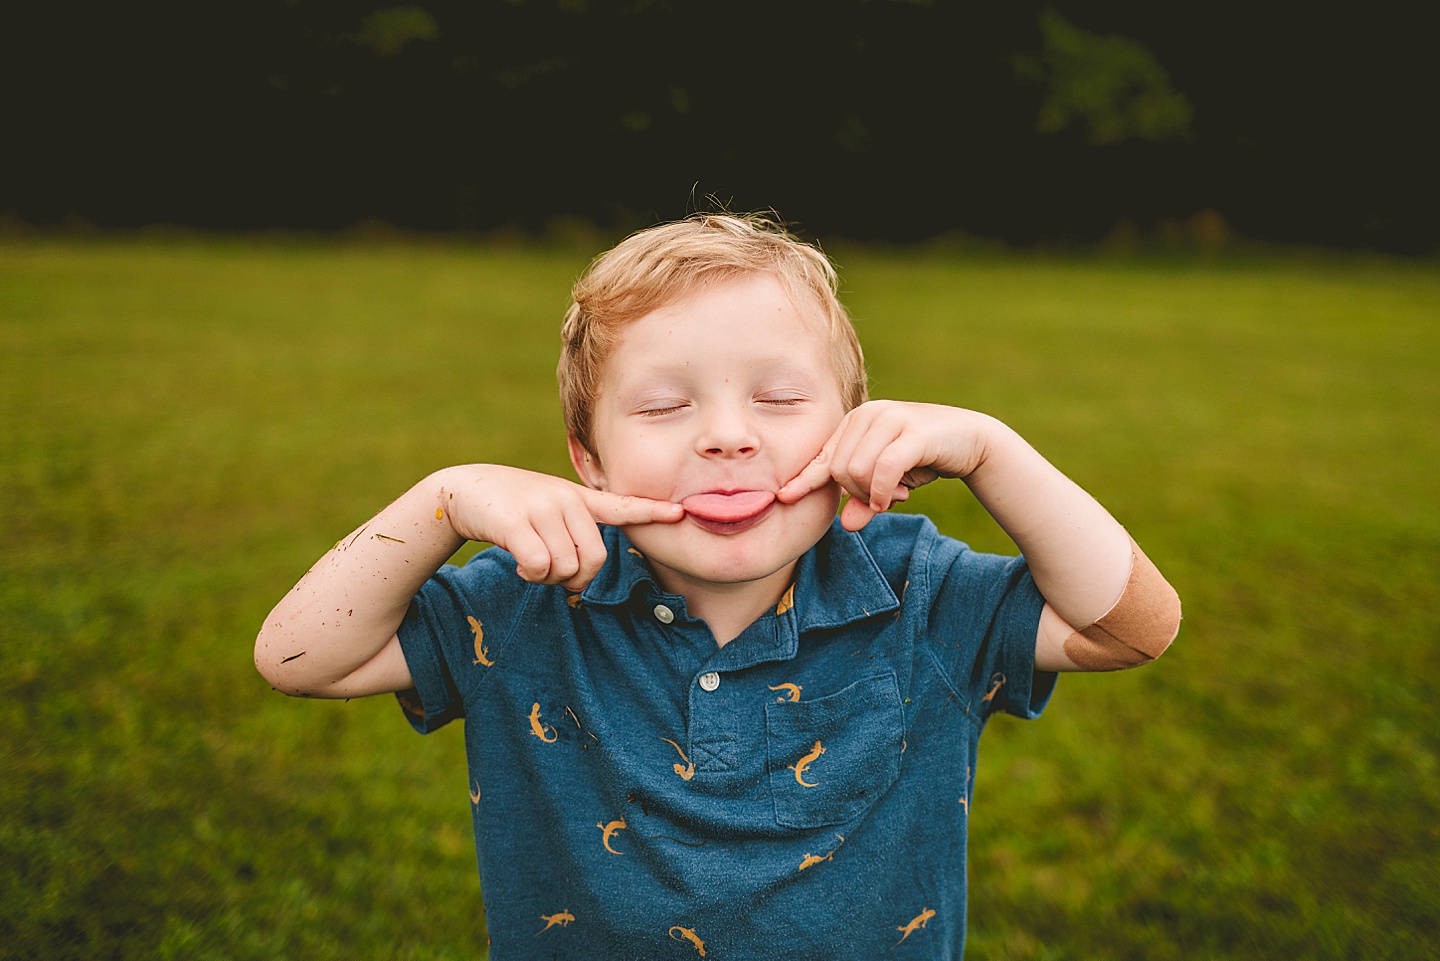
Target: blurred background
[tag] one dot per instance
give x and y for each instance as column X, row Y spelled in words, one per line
column 1025, row 122
column 266, row 264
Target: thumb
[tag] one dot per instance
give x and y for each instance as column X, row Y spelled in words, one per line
column 608, row 508
column 856, row 514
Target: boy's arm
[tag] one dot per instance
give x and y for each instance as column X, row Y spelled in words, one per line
column 334, row 635
column 1080, row 557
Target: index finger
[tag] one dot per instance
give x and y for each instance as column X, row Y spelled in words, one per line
column 608, row 508
column 815, row 476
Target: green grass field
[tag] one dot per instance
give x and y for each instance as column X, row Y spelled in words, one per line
column 185, row 425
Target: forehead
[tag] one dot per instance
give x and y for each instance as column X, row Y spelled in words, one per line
column 747, row 317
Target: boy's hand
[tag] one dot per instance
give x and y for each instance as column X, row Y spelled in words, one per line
column 884, row 449
column 547, row 523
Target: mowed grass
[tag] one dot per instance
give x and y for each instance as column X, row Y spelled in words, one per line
column 186, row 426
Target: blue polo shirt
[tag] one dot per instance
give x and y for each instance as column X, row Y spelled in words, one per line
column 802, row 792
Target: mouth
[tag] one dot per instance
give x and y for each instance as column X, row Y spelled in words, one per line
column 728, row 512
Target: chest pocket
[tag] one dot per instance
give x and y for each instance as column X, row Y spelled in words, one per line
column 832, row 757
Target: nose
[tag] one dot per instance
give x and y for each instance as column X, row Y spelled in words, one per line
column 727, row 431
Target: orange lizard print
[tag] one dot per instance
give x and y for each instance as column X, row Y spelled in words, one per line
column 689, row 935
column 631, row 550
column 538, row 729
column 482, row 654
column 409, row 706
column 609, row 832
column 475, row 795
column 686, row 770
column 813, row 859
column 915, row 924
column 793, row 690
column 574, row 601
column 799, row 766
column 998, row 680
column 563, row 919
column 786, row 602
column 965, row 801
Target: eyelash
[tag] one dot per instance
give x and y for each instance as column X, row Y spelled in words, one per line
column 773, row 401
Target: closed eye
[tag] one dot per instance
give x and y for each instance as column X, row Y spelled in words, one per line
column 660, row 411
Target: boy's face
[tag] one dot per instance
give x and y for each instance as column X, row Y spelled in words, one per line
column 715, row 401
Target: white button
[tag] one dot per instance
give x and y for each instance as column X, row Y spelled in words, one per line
column 663, row 614
column 710, row 681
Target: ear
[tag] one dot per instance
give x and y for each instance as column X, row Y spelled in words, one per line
column 587, row 465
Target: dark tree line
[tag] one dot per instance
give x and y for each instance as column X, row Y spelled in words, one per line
column 1023, row 120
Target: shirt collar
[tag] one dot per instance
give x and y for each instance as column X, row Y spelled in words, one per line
column 837, row 582
column 625, row 570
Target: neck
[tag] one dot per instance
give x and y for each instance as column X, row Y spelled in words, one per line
column 727, row 608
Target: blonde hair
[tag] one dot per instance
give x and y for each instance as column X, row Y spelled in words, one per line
column 662, row 264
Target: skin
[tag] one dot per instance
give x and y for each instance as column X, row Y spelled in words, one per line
column 731, row 388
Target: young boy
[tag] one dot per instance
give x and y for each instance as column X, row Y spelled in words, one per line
column 705, row 716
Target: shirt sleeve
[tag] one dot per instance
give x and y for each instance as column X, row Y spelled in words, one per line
column 450, row 635
column 987, row 608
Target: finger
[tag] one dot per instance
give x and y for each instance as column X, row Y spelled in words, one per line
column 839, row 449
column 554, row 533
column 532, row 556
column 589, row 548
column 891, row 468
column 919, row 477
column 856, row 514
column 858, row 457
column 608, row 508
column 814, row 476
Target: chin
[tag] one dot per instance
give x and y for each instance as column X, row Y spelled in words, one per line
column 754, row 554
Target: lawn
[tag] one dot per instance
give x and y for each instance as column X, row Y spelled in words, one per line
column 186, row 424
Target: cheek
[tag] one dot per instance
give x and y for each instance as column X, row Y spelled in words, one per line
column 805, row 444
column 645, row 469
column 827, row 499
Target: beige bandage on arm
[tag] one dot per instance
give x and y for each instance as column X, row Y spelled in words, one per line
column 1137, row 629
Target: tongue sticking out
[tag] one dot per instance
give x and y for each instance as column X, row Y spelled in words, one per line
column 727, row 508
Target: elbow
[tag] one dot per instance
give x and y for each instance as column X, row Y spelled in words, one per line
column 1101, row 647
column 273, row 668
column 1138, row 629
column 1168, row 628
column 266, row 665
